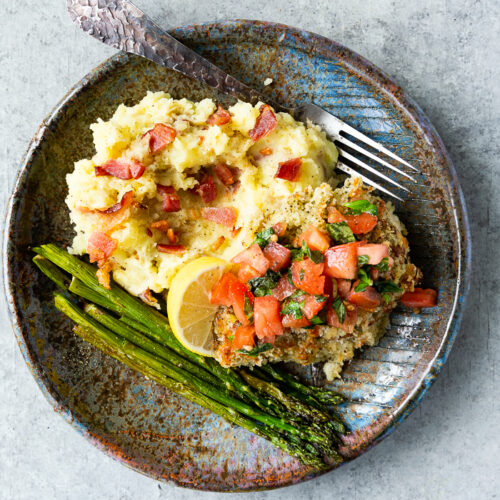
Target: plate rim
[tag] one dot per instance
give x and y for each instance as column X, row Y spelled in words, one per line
column 404, row 103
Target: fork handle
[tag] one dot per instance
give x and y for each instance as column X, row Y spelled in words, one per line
column 122, row 25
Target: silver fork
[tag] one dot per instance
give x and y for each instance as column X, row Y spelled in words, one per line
column 122, row 25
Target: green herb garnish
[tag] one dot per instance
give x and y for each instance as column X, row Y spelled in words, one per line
column 364, row 281
column 248, row 309
column 386, row 288
column 304, row 251
column 340, row 232
column 316, row 320
column 262, row 238
column 361, row 206
column 289, row 276
column 293, row 308
column 256, row 350
column 263, row 285
column 363, row 260
column 339, row 308
column 383, row 265
column 230, row 337
column 320, row 298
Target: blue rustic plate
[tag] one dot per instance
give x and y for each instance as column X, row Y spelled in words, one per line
column 144, row 425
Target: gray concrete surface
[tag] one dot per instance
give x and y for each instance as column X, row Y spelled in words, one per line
column 445, row 53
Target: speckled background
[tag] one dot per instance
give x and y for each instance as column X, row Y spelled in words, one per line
column 445, row 54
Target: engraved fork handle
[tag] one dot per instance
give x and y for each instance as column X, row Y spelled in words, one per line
column 122, row 25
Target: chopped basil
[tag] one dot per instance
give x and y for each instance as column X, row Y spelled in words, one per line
column 256, row 350
column 263, row 285
column 262, row 238
column 387, row 287
column 293, row 308
column 340, row 232
column 339, row 308
column 230, row 337
column 364, row 281
column 297, row 293
column 363, row 260
column 248, row 309
column 360, row 206
column 304, row 251
column 316, row 320
column 289, row 276
column 320, row 298
column 386, row 297
column 383, row 265
column 302, row 274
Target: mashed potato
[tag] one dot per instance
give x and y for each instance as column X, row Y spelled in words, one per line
column 137, row 264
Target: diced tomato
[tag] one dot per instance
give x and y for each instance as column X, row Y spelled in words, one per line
column 207, row 189
column 279, row 229
column 312, row 305
column 289, row 321
column 351, row 315
column 170, row 248
column 343, row 288
column 307, row 276
column 171, row 200
column 221, row 215
column 160, row 136
column 341, row 261
column 283, row 289
column 244, row 337
column 265, row 123
column 224, row 174
column 315, row 239
column 277, row 255
column 376, row 252
column 247, row 272
column 123, row 168
column 420, row 297
column 220, row 292
column 253, row 256
column 237, row 293
column 362, row 223
column 220, row 117
column 334, row 215
column 369, row 299
column 100, row 246
column 374, row 273
column 289, row 170
column 266, row 313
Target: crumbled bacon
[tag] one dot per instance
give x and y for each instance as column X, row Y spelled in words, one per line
column 170, row 248
column 220, row 117
column 207, row 189
column 147, row 297
column 160, row 136
column 123, row 168
column 289, row 170
column 102, row 274
column 224, row 174
column 161, row 225
column 217, row 243
column 110, row 218
column 265, row 123
column 266, row 151
column 149, row 232
column 173, row 238
column 171, row 200
column 224, row 215
column 100, row 246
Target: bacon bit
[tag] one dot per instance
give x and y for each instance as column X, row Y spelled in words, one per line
column 217, row 243
column 233, row 188
column 172, row 236
column 100, row 246
column 171, row 200
column 220, row 117
column 147, row 297
column 224, row 174
column 193, row 213
column 160, row 136
column 266, row 151
column 161, row 225
column 103, row 277
column 201, row 138
column 207, row 189
column 280, row 228
column 110, row 218
column 265, row 123
column 224, row 215
column 170, row 248
column 149, row 232
column 122, row 168
column 289, row 170
column 235, row 232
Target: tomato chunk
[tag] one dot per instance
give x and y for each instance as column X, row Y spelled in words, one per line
column 315, row 239
column 123, row 168
column 362, row 223
column 420, row 297
column 307, row 276
column 266, row 313
column 207, row 189
column 220, row 117
column 244, row 337
column 160, row 136
column 375, row 252
column 237, row 293
column 341, row 261
column 277, row 255
column 279, row 229
column 283, row 289
column 247, row 272
column 171, row 200
column 265, row 123
column 170, row 248
column 334, row 215
column 220, row 292
column 343, row 288
column 224, row 174
column 221, row 215
column 369, row 299
column 289, row 170
column 254, row 257
column 312, row 305
column 289, row 321
column 100, row 246
column 351, row 315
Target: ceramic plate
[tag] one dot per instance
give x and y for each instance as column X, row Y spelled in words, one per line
column 142, row 424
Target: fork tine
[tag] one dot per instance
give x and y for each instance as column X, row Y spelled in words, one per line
column 374, row 144
column 354, row 146
column 350, row 171
column 347, row 156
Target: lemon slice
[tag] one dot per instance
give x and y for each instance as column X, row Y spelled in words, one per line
column 189, row 310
